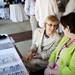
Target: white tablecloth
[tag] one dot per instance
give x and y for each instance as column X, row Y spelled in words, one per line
column 17, row 13
column 2, row 13
column 10, row 62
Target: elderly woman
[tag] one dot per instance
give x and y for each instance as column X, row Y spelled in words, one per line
column 62, row 60
column 44, row 42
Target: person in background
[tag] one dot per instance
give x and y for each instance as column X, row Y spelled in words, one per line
column 30, row 11
column 70, row 7
column 64, row 7
column 62, row 59
column 44, row 42
column 44, row 8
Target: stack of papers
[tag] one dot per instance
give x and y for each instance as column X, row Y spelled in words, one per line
column 10, row 62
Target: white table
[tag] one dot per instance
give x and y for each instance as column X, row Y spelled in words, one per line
column 17, row 13
column 10, row 62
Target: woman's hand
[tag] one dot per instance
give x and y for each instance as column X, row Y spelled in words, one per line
column 37, row 56
column 29, row 57
column 51, row 65
column 52, row 70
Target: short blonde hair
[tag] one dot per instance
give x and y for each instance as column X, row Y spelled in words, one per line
column 53, row 19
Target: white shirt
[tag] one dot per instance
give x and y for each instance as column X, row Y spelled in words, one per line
column 1, row 2
column 48, row 44
column 44, row 8
column 70, row 7
column 30, row 7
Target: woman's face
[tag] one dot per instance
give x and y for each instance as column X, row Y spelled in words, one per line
column 51, row 26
